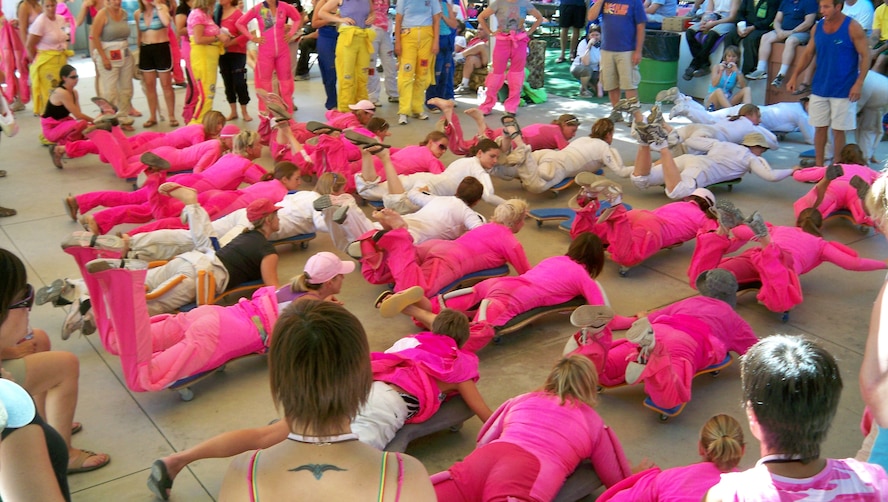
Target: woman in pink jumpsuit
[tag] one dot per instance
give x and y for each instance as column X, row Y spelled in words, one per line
column 690, row 335
column 14, row 58
column 274, row 49
column 510, row 49
column 721, row 446
column 218, row 203
column 636, row 235
column 436, row 263
column 838, row 194
column 554, row 280
column 554, row 136
column 533, row 442
column 788, row 253
column 133, row 207
column 157, row 351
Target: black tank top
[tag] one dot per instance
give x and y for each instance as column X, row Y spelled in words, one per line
column 57, row 112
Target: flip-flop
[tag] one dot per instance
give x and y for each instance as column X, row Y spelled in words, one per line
column 82, row 458
column 72, row 207
column 174, row 123
column 49, row 293
column 396, row 303
column 104, row 105
column 56, row 157
column 154, row 161
column 316, row 127
column 363, row 141
column 383, row 297
column 151, row 123
column 279, row 111
column 76, row 427
column 159, row 481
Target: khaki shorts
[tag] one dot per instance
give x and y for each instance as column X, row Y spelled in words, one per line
column 16, row 369
column 838, row 113
column 618, row 72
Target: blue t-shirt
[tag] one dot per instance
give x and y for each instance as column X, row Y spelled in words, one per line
column 668, row 8
column 619, row 21
column 794, row 12
column 417, row 12
column 444, row 30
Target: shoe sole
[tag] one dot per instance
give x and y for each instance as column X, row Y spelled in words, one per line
column 340, row 215
column 49, row 293
column 154, row 160
column 322, row 202
column 106, row 242
column 396, row 303
column 592, row 316
column 586, row 178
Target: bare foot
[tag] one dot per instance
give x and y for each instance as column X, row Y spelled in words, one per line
column 186, row 195
column 89, row 223
column 247, row 118
column 445, row 105
column 478, row 116
column 231, row 117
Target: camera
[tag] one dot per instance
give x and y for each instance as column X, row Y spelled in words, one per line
column 729, row 65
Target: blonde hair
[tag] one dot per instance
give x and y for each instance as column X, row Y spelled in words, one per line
column 213, row 120
column 330, row 183
column 243, row 140
column 574, row 378
column 204, row 5
column 510, row 212
column 721, row 440
column 877, row 200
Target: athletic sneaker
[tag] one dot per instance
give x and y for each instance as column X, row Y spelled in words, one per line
column 667, row 95
column 778, row 81
column 757, row 75
column 592, row 316
column 463, row 90
column 421, row 116
column 728, row 214
column 642, row 334
column 627, row 105
column 633, row 372
column 322, row 202
column 757, row 223
column 615, row 117
column 402, row 119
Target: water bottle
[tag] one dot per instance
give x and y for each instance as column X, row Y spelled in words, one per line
column 482, row 94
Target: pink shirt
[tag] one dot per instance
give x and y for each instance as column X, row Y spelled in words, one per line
column 841, row 480
column 416, row 159
column 380, row 8
column 560, row 436
column 51, row 32
column 544, row 136
column 230, row 23
column 198, row 17
column 342, row 120
column 417, row 363
column 680, row 484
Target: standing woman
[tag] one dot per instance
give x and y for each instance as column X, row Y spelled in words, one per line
column 155, row 57
column 14, row 58
column 510, row 49
column 183, row 9
column 110, row 38
column 233, row 64
column 326, row 48
column 207, row 44
column 48, row 52
column 274, row 51
column 27, row 13
column 353, row 48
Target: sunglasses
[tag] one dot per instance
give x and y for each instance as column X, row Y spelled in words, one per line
column 74, row 76
column 27, row 303
column 442, row 147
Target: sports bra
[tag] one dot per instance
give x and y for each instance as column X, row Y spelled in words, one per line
column 254, row 491
column 57, row 112
column 156, row 24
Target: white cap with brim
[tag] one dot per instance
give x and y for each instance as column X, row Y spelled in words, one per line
column 755, row 139
column 324, row 266
column 363, row 104
column 705, row 194
column 18, row 405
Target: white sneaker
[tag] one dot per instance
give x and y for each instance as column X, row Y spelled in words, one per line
column 641, row 333
column 757, row 75
column 354, row 250
column 402, row 119
column 667, row 95
column 7, row 119
column 421, row 116
column 633, row 372
column 595, row 317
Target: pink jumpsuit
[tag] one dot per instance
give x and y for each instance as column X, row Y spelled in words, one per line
column 274, row 52
column 510, row 49
column 160, row 350
column 436, row 263
column 133, row 207
column 839, row 193
column 636, row 235
column 342, row 120
column 652, row 485
column 554, row 280
column 196, row 158
column 792, row 252
column 217, row 203
column 537, row 136
column 528, row 447
column 691, row 334
column 62, row 131
column 416, row 159
column 14, row 58
column 111, row 147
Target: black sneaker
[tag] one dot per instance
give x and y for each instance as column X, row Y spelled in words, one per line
column 778, row 81
column 860, row 185
column 689, row 73
column 834, row 171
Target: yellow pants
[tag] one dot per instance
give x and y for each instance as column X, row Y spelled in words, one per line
column 205, row 68
column 353, row 48
column 44, row 73
column 416, row 68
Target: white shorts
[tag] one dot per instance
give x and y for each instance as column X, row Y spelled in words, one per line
column 381, row 417
column 618, row 72
column 838, row 113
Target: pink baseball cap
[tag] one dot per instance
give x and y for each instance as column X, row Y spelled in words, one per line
column 324, row 266
column 229, row 131
column 260, row 208
column 363, row 104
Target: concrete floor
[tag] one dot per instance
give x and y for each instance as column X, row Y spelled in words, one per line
column 136, row 428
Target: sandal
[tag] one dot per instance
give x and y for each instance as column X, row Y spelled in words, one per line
column 76, row 427
column 316, row 127
column 152, row 123
column 77, row 467
column 159, row 481
column 56, row 157
column 382, row 297
column 2, row 173
column 510, row 120
column 396, row 303
column 802, row 89
column 363, row 141
column 174, row 123
column 5, row 211
column 105, row 106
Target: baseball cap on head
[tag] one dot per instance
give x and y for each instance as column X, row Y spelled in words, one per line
column 363, row 104
column 260, row 208
column 324, row 266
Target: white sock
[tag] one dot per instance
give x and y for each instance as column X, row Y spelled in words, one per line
column 465, row 81
column 762, row 65
column 783, row 69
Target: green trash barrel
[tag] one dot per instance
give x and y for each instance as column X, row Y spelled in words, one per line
column 659, row 63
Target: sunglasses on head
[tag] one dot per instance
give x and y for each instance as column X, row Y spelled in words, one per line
column 28, row 301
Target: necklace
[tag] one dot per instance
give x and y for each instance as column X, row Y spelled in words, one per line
column 322, row 440
column 779, row 458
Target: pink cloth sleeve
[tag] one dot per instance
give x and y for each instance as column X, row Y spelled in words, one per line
column 246, row 18
column 638, row 487
column 847, row 258
column 809, row 174
column 609, row 460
